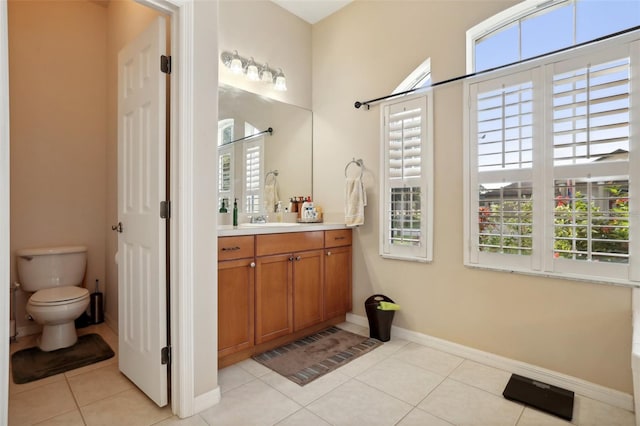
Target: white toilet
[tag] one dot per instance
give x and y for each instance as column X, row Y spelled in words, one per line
column 55, row 276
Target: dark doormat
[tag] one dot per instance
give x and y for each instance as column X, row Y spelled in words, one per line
column 314, row 356
column 34, row 364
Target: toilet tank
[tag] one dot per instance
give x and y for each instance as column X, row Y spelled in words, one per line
column 40, row 268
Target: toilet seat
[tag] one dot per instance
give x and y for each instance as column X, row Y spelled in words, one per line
column 58, row 296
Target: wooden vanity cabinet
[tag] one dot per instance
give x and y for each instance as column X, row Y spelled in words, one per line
column 236, row 290
column 337, row 273
column 274, row 292
column 308, row 273
column 275, row 288
column 289, row 271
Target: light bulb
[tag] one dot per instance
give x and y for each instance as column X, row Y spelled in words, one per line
column 252, row 71
column 281, row 82
column 236, row 64
column 266, row 75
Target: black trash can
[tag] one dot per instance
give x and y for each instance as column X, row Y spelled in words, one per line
column 379, row 320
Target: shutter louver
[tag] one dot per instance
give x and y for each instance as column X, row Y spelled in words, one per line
column 253, row 177
column 505, row 128
column 591, row 113
column 405, row 156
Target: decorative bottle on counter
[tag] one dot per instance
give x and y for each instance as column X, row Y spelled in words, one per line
column 235, row 212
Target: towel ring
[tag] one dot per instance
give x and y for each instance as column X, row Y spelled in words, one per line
column 358, row 163
column 270, row 173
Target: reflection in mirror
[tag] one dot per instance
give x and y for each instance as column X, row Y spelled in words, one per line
column 245, row 164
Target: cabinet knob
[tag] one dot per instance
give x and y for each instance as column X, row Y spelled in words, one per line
column 298, row 258
column 252, row 265
column 328, row 253
column 291, row 259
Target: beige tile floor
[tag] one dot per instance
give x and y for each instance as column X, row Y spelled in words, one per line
column 399, row 383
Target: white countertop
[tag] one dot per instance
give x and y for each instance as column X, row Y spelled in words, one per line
column 275, row 228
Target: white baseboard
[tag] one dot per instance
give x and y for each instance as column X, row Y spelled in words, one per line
column 579, row 386
column 206, row 400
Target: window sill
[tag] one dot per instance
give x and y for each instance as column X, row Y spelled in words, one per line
column 556, row 275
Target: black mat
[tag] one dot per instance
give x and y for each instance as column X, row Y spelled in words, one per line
column 33, row 364
column 545, row 397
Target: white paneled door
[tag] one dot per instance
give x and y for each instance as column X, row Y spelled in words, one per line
column 142, row 313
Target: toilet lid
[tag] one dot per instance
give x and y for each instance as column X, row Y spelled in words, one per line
column 58, row 294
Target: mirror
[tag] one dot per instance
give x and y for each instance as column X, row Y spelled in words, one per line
column 287, row 150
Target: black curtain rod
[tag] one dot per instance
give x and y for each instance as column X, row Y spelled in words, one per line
column 269, row 130
column 358, row 104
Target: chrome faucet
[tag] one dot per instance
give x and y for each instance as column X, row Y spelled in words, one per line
column 259, row 219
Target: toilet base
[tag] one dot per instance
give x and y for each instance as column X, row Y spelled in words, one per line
column 57, row 336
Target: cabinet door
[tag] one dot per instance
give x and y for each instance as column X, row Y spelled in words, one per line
column 274, row 309
column 308, row 272
column 337, row 281
column 235, row 305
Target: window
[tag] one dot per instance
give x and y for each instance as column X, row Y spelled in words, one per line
column 548, row 177
column 419, row 78
column 522, row 31
column 407, row 188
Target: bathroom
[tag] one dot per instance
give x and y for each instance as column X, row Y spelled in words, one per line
column 585, row 330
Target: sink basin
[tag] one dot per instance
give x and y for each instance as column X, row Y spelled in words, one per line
column 267, row 225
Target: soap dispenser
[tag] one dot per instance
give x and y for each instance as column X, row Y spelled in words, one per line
column 235, row 212
column 279, row 212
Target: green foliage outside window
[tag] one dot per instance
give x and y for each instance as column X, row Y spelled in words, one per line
column 581, row 227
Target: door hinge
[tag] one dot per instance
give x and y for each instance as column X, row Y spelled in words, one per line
column 165, row 64
column 165, row 209
column 165, row 355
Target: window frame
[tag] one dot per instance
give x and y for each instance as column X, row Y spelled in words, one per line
column 545, row 173
column 424, row 252
column 508, row 17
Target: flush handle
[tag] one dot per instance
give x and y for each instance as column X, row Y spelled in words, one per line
column 117, row 228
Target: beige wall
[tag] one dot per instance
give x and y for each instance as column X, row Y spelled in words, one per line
column 365, row 51
column 57, row 65
column 269, row 34
column 125, row 20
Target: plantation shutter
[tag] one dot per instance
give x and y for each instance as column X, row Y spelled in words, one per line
column 225, row 176
column 253, row 182
column 406, row 171
column 501, row 162
column 591, row 129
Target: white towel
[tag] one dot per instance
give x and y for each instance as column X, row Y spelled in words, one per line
column 355, row 198
column 271, row 196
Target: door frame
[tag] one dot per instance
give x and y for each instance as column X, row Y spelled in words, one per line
column 183, row 180
column 182, row 233
column 5, row 255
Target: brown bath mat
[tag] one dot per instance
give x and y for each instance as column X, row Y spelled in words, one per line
column 33, row 364
column 314, row 356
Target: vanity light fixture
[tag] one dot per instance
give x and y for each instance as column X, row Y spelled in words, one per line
column 253, row 70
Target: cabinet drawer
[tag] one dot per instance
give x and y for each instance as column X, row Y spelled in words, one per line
column 235, row 247
column 268, row 244
column 337, row 238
